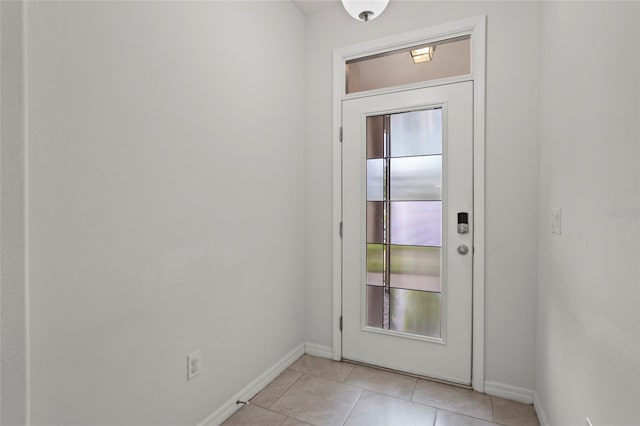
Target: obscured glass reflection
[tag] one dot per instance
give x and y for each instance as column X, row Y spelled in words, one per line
column 415, row 268
column 375, row 222
column 404, row 221
column 375, row 303
column 416, row 133
column 375, row 136
column 416, row 312
column 451, row 57
column 375, row 264
column 416, row 178
column 416, row 223
column 375, row 180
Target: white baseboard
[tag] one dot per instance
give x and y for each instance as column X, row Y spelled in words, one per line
column 228, row 408
column 542, row 415
column 513, row 393
column 318, row 350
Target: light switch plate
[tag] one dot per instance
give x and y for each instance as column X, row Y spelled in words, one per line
column 556, row 221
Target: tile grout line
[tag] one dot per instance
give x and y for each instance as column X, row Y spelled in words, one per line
column 314, row 374
column 317, row 374
column 413, row 392
column 506, row 423
column 281, row 395
column 354, row 406
column 308, row 374
column 392, row 395
column 404, row 400
column 493, row 416
column 411, row 400
column 396, row 397
column 362, row 389
column 407, row 374
column 285, row 391
column 347, row 376
column 331, row 380
column 457, row 412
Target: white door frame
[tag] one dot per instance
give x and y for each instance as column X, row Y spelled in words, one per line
column 476, row 28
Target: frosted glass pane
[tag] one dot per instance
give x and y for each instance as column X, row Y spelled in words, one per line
column 416, row 223
column 416, row 133
column 375, row 182
column 415, row 268
column 375, row 222
column 375, row 136
column 451, row 57
column 375, row 306
column 416, row 178
column 416, row 312
column 375, row 264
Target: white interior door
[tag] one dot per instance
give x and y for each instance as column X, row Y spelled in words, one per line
column 406, row 280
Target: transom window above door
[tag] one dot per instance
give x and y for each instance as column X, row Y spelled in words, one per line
column 424, row 62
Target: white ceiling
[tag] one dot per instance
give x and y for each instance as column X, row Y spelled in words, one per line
column 309, row 7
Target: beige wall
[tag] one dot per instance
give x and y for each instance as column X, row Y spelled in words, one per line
column 588, row 345
column 162, row 217
column 13, row 328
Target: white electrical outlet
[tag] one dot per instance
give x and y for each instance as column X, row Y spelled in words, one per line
column 194, row 364
column 556, row 221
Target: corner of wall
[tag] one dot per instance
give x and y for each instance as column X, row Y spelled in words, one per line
column 249, row 391
column 542, row 415
column 318, row 350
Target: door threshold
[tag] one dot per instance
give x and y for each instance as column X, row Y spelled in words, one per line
column 404, row 373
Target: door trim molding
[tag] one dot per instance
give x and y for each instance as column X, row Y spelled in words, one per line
column 476, row 27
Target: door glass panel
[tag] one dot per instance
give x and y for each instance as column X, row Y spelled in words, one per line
column 415, row 268
column 416, row 133
column 444, row 58
column 375, row 222
column 375, row 264
column 375, row 300
column 416, row 178
column 416, row 223
column 375, row 136
column 404, row 221
column 375, row 181
column 416, row 312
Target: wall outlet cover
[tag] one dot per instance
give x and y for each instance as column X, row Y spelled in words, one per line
column 194, row 364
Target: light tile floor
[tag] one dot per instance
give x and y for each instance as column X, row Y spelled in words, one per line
column 318, row 391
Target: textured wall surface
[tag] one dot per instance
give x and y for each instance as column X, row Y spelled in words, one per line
column 164, row 213
column 13, row 325
column 588, row 343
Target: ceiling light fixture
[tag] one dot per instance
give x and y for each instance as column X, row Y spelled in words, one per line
column 365, row 10
column 424, row 54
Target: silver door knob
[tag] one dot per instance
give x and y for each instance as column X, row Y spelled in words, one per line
column 463, row 249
